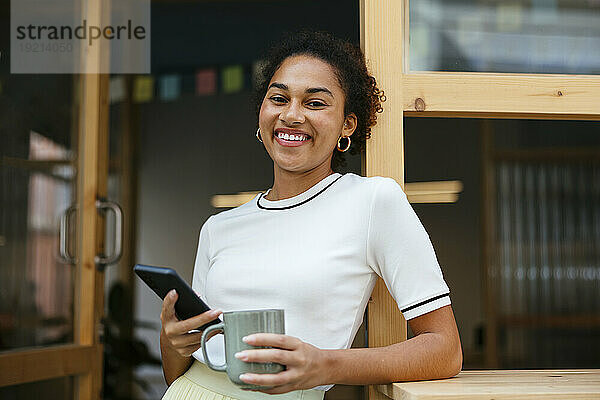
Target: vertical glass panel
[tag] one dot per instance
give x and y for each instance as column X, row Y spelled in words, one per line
column 539, row 36
column 56, row 389
column 544, row 263
column 547, row 224
column 36, row 187
column 38, row 130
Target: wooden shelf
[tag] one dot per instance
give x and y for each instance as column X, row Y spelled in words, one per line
column 502, row 385
column 417, row 192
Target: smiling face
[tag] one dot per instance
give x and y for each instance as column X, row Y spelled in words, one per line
column 305, row 100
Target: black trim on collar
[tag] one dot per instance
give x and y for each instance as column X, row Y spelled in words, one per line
column 294, row 205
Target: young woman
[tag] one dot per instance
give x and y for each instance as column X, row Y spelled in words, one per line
column 314, row 244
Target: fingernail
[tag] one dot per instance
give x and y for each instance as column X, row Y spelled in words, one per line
column 243, row 376
column 172, row 293
column 240, row 355
column 245, row 339
column 216, row 312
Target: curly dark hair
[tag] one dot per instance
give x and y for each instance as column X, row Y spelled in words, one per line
column 362, row 96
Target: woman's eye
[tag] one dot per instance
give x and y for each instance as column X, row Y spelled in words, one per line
column 280, row 99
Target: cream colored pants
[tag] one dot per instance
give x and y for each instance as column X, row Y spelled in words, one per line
column 202, row 383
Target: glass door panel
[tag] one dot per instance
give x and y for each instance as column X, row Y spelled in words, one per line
column 37, row 186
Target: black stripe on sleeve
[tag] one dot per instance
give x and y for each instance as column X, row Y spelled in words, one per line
column 424, row 302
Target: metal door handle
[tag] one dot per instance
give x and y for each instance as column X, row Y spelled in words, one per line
column 64, row 236
column 113, row 258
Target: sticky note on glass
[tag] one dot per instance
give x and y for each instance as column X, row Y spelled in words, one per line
column 169, row 87
column 143, row 89
column 206, row 81
column 117, row 91
column 232, row 78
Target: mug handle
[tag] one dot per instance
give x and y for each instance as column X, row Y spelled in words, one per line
column 217, row 327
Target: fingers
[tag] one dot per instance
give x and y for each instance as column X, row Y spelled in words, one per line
column 188, row 350
column 177, row 332
column 168, row 307
column 274, row 340
column 197, row 321
column 188, row 339
column 282, row 378
column 265, row 356
column 173, row 328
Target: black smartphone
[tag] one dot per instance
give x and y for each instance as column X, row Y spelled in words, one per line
column 162, row 280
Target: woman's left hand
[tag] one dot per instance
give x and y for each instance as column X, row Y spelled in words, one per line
column 305, row 363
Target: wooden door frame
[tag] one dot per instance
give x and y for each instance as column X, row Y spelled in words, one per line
column 83, row 357
column 384, row 32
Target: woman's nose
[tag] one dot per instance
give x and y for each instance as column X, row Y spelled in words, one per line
column 292, row 113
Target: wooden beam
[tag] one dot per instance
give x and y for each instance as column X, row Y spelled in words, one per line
column 19, row 367
column 382, row 32
column 499, row 115
column 93, row 143
column 487, row 95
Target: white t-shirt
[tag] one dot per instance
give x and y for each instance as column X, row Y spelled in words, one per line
column 317, row 255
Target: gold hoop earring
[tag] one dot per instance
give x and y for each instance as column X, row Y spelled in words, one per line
column 258, row 135
column 347, row 146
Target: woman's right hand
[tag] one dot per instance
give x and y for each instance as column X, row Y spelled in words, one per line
column 176, row 332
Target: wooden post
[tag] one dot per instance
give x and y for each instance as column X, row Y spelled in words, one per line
column 92, row 182
column 382, row 42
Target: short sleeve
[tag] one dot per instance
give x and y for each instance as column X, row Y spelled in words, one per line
column 400, row 252
column 202, row 263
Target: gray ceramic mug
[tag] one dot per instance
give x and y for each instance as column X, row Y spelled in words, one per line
column 236, row 325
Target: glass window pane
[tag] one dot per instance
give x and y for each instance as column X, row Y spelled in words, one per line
column 545, row 245
column 539, row 36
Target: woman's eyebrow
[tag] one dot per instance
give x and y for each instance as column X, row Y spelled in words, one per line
column 309, row 90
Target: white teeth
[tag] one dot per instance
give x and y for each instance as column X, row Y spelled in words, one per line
column 291, row 137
